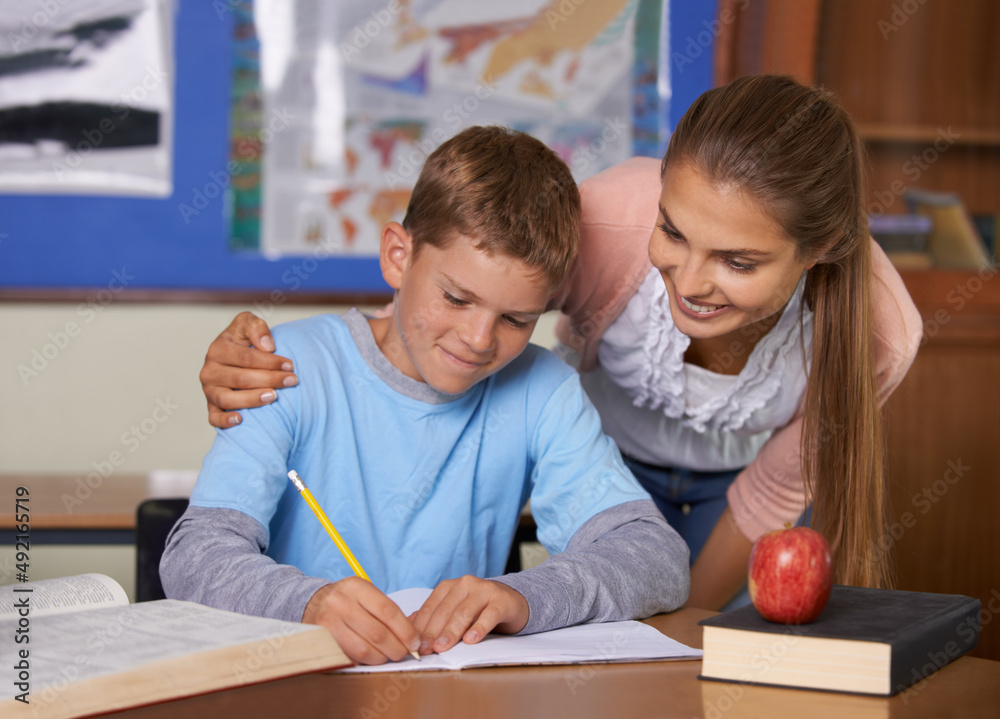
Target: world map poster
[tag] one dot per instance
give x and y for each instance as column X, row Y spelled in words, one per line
column 337, row 105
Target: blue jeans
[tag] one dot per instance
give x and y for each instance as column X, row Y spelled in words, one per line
column 691, row 501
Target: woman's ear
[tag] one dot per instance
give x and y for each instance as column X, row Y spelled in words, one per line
column 395, row 253
column 831, row 251
column 844, row 244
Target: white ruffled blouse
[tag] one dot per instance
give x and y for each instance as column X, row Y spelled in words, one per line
column 666, row 412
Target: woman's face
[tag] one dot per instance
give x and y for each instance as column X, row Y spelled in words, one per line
column 726, row 263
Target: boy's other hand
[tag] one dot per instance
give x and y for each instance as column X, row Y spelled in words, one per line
column 241, row 370
column 468, row 609
column 369, row 627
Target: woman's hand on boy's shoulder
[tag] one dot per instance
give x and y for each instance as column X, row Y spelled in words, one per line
column 467, row 609
column 242, row 371
column 369, row 627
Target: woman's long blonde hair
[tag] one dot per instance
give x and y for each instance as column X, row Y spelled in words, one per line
column 796, row 151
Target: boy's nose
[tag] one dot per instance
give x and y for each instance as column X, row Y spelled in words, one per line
column 478, row 334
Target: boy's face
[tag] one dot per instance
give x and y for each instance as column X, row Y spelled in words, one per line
column 460, row 314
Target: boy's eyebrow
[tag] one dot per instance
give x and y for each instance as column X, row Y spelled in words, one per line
column 469, row 294
column 742, row 251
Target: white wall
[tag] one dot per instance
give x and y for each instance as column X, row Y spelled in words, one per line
column 69, row 401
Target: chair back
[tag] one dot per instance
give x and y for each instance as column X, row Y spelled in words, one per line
column 154, row 520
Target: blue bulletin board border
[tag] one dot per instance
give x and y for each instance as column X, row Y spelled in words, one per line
column 55, row 247
column 76, row 244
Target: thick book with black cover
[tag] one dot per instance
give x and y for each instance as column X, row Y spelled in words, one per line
column 868, row 641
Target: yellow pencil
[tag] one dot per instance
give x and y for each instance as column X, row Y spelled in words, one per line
column 332, row 531
column 327, row 525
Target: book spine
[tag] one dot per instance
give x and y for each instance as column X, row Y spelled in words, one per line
column 941, row 641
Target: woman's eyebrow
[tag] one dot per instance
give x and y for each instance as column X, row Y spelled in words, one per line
column 742, row 251
column 746, row 251
column 665, row 216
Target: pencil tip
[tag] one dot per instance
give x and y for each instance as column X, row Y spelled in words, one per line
column 415, row 655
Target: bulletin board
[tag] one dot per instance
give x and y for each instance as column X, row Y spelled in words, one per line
column 60, row 246
column 68, row 247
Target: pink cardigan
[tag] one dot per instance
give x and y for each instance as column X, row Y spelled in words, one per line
column 619, row 212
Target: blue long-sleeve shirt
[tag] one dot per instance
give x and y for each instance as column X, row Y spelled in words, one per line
column 422, row 486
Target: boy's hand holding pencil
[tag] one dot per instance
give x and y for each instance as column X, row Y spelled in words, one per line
column 369, row 627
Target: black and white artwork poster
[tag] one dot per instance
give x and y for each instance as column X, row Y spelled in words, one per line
column 86, row 96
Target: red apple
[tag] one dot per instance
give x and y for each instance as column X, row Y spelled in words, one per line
column 790, row 575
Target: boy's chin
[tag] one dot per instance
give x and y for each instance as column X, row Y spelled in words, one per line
column 450, row 384
column 453, row 387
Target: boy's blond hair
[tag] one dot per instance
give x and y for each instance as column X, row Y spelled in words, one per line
column 506, row 191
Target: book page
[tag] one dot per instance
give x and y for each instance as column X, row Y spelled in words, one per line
column 626, row 641
column 410, row 600
column 84, row 645
column 64, row 594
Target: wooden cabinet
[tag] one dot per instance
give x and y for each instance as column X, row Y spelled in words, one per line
column 944, row 446
column 921, row 78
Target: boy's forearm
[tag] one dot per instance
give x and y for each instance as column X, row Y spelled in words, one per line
column 637, row 569
column 214, row 557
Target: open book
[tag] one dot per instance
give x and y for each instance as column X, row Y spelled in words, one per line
column 75, row 647
column 628, row 641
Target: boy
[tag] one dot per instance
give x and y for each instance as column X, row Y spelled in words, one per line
column 424, row 433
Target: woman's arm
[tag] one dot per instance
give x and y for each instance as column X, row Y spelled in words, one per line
column 241, row 370
column 720, row 570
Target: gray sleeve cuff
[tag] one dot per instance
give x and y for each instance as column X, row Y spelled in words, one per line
column 215, row 557
column 623, row 563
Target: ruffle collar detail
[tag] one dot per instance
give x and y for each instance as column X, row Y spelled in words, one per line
column 776, row 355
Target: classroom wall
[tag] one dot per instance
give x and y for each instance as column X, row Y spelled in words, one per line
column 78, row 385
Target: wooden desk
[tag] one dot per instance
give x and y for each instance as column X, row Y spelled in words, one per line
column 968, row 687
column 65, row 509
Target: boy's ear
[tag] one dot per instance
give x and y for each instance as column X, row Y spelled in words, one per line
column 395, row 253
